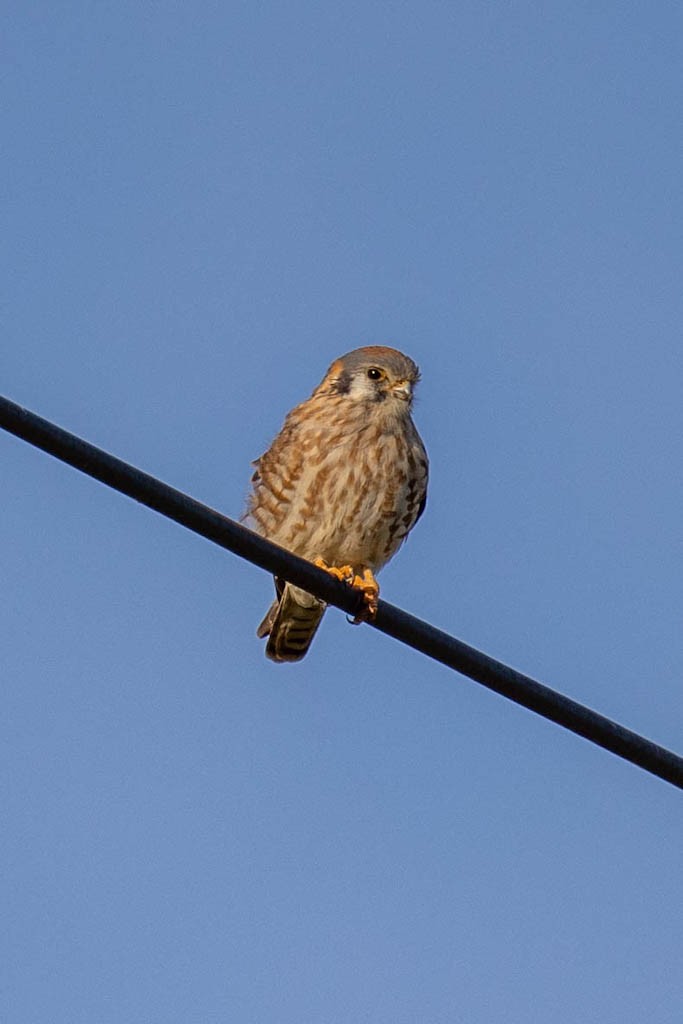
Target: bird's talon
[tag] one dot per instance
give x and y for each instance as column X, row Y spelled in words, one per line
column 367, row 584
column 369, row 587
column 340, row 572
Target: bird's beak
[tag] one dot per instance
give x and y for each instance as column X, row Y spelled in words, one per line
column 403, row 389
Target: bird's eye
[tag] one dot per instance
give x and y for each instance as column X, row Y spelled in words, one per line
column 374, row 373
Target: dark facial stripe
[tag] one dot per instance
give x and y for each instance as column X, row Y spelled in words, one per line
column 342, row 384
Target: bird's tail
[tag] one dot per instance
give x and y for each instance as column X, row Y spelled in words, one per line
column 291, row 622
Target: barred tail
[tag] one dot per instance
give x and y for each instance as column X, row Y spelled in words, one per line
column 291, row 621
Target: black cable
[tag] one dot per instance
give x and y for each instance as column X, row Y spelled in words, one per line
column 390, row 620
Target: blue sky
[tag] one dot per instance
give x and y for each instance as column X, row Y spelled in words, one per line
column 204, row 206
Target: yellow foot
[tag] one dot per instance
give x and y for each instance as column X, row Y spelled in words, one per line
column 369, row 587
column 343, row 572
column 366, row 583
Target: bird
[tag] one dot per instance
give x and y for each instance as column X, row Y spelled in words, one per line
column 342, row 485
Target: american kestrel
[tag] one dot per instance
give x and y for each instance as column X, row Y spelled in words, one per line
column 342, row 485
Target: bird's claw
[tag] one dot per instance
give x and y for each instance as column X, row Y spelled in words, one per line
column 369, row 587
column 340, row 572
column 367, row 584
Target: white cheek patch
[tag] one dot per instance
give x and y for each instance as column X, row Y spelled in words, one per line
column 362, row 388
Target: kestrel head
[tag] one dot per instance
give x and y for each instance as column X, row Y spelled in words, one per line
column 372, row 374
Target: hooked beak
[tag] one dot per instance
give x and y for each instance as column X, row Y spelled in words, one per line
column 403, row 389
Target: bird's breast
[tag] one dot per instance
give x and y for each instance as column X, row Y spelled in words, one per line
column 341, row 483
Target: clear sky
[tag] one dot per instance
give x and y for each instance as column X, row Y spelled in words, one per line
column 204, row 205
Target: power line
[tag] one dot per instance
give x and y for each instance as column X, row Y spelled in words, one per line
column 390, row 620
